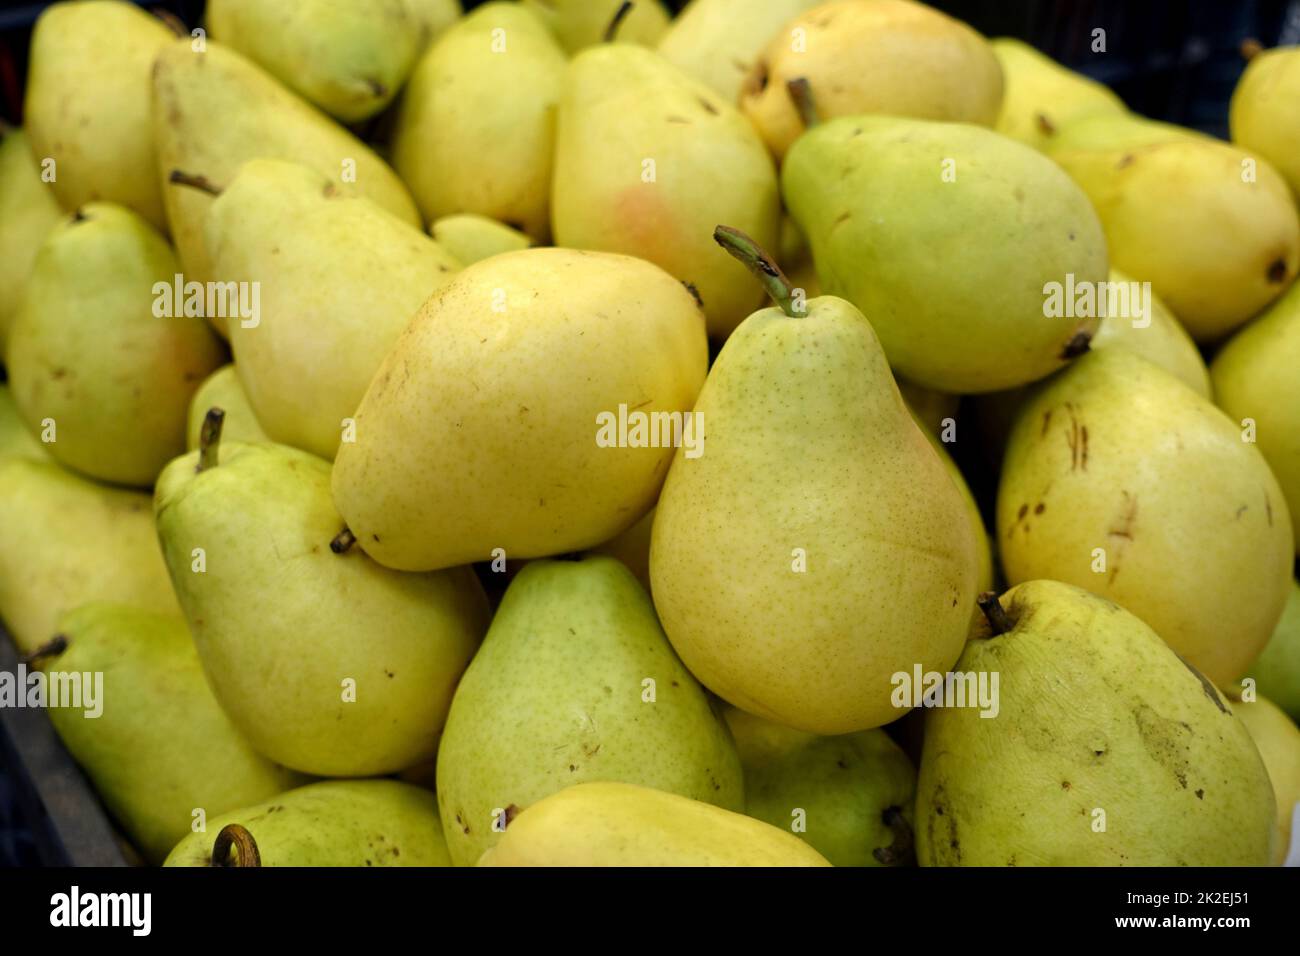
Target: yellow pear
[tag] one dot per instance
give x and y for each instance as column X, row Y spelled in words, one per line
column 15, row 440
column 1262, row 115
column 28, row 211
column 222, row 390
column 1278, row 740
column 578, row 24
column 471, row 238
column 433, row 17
column 1042, row 97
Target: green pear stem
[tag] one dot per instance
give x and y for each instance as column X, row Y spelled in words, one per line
column 757, row 261
column 51, row 648
column 801, row 93
column 623, row 10
column 210, row 438
column 999, row 623
column 900, row 851
column 201, row 183
column 342, row 541
column 246, row 851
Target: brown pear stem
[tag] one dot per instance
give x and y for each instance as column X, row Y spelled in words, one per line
column 246, row 851
column 51, row 648
column 1250, row 48
column 1079, row 344
column 801, row 93
column 757, row 261
column 174, row 23
column 623, row 10
column 345, row 539
column 201, row 183
column 210, row 438
column 999, row 623
column 900, row 851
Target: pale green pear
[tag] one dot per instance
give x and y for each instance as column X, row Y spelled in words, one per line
column 470, row 238
column 872, row 56
column 950, row 238
column 1277, row 670
column 1255, row 382
column 154, row 742
column 96, row 360
column 222, row 390
column 69, row 541
column 621, row 824
column 333, row 823
column 796, row 569
column 719, row 41
column 1278, row 740
column 1212, row 228
column 849, row 797
column 325, row 661
column 632, row 547
column 339, row 278
column 349, row 57
column 258, row 118
column 1262, row 114
column 475, row 131
column 87, row 106
column 465, row 444
column 15, row 440
column 1120, row 479
column 575, row 682
column 648, row 160
column 578, row 24
column 433, row 17
column 1105, row 749
column 1041, row 97
column 28, row 211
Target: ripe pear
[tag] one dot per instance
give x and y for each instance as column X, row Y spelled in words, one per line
column 159, row 746
column 258, row 118
column 848, row 797
column 928, row 407
column 339, row 279
column 947, row 236
column 1106, row 749
column 621, row 824
column 465, row 444
column 1041, row 97
column 1120, row 479
column 632, row 547
column 575, row 682
column 872, row 56
column 1278, row 740
column 325, row 661
column 222, row 390
column 349, row 57
column 87, row 104
column 719, row 41
column 1255, row 383
column 648, row 160
column 578, row 24
column 471, row 238
column 432, row 18
column 796, row 570
column 983, row 547
column 331, row 823
column 93, row 362
column 68, row 541
column 1262, row 114
column 1212, row 228
column 1277, row 670
column 493, row 78
column 15, row 440
column 28, row 211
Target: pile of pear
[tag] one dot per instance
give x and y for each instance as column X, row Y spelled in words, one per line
column 367, row 589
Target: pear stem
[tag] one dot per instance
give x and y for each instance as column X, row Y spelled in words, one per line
column 623, row 10
column 201, row 183
column 1079, row 344
column 210, row 438
column 246, row 851
column 900, row 851
column 345, row 539
column 800, row 91
column 51, row 648
column 173, row 22
column 1250, row 48
column 757, row 261
column 999, row 623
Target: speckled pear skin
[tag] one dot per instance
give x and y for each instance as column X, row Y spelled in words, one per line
column 1041, row 97
column 333, row 823
column 1095, row 714
column 1117, row 454
column 808, row 445
column 557, row 696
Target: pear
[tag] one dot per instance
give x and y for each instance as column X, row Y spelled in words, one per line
column 1255, row 382
column 578, row 24
column 28, row 211
column 872, row 56
column 222, row 390
column 1259, row 117
column 493, row 78
column 849, row 797
column 326, row 662
column 339, row 278
column 947, row 236
column 258, row 118
column 1277, row 670
column 1041, row 97
column 1278, row 740
column 465, row 445
column 1120, row 479
column 471, row 238
column 719, row 41
column 93, row 360
column 349, row 57
column 331, row 823
column 87, row 105
column 432, row 18
column 1105, row 750
column 68, row 541
column 15, row 440
column 1212, row 228
column 983, row 547
column 575, row 682
column 157, row 747
column 796, row 570
column 632, row 547
column 930, row 408
column 648, row 161
column 621, row 824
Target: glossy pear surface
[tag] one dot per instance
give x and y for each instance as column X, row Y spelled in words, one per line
column 1041, row 97
column 1262, row 113
column 222, row 390
column 28, row 211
